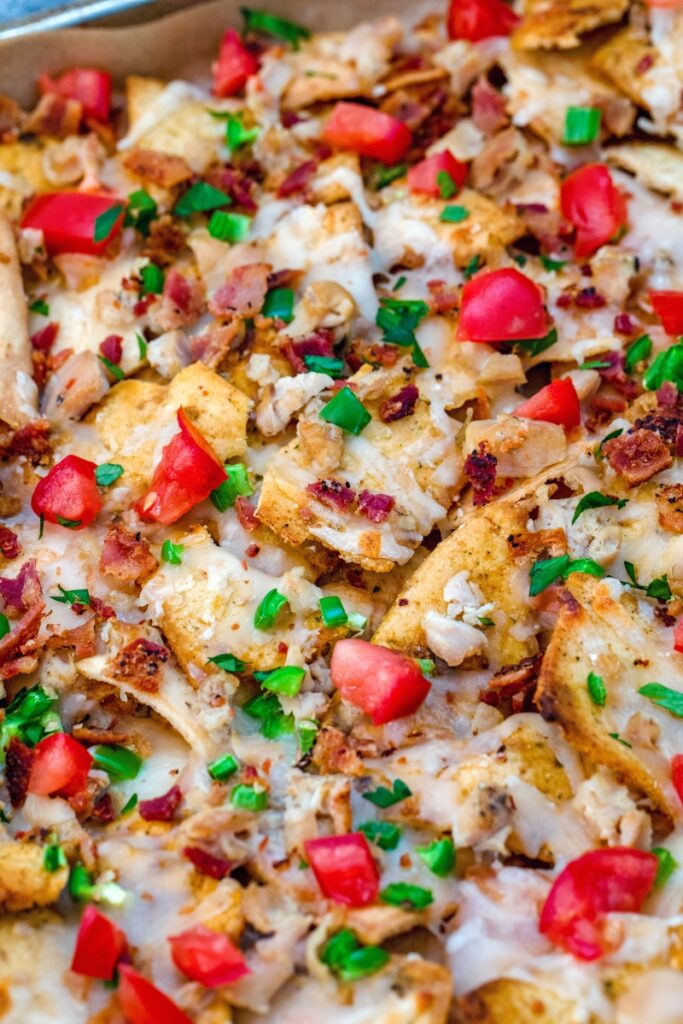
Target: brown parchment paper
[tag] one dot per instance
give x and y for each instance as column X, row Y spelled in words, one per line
column 178, row 45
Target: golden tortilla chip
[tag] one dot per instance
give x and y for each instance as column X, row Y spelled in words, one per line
column 549, row 24
column 655, row 164
column 625, row 59
column 506, row 1000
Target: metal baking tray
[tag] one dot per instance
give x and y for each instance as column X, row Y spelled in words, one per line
column 20, row 17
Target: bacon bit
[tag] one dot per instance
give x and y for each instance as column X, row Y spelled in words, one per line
column 318, row 344
column 15, row 643
column 513, row 681
column 20, row 593
column 616, row 375
column 246, row 514
column 589, row 298
column 239, row 183
column 361, row 352
column 9, row 543
column 161, row 808
column 252, row 551
column 667, row 427
column 444, row 297
column 89, row 734
column 644, row 64
column 143, row 304
column 400, row 405
column 18, row 764
column 206, row 863
column 103, row 809
column 488, row 107
column 162, row 169
column 668, row 396
column 284, row 279
column 30, row 442
column 375, row 506
column 81, row 638
column 624, row 324
column 22, row 666
column 163, row 244
column 288, row 118
column 140, row 663
column 44, row 339
column 333, row 493
column 112, row 348
column 183, row 301
column 604, row 406
column 54, row 116
column 213, row 345
column 126, row 556
column 299, row 180
column 102, row 610
column 480, row 469
column 638, row 455
column 243, row 293
column 564, row 300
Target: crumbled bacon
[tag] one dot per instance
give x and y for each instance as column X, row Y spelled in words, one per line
column 101, row 609
column 20, row 593
column 140, row 663
column 513, row 682
column 488, row 107
column 243, row 293
column 54, row 115
column 80, row 638
column 333, row 493
column 400, row 405
column 161, row 808
column 604, row 406
column 9, row 543
column 637, row 456
column 589, row 298
column 112, row 348
column 624, row 324
column 103, row 809
column 667, row 427
column 163, row 244
column 669, row 501
column 318, row 344
column 616, row 375
column 30, row 442
column 18, row 764
column 206, row 863
column 361, row 351
column 299, row 180
column 239, row 183
column 44, row 339
column 443, row 297
column 644, row 64
column 246, row 514
column 212, row 345
column 20, row 666
column 375, row 506
column 480, row 469
column 183, row 301
column 668, row 396
column 126, row 556
column 162, row 169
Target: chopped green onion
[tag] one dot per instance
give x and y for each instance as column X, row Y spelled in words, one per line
column 666, row 866
column 664, row 697
column 72, row 597
column 308, row 730
column 266, row 709
column 80, row 883
column 5, row 627
column 383, row 175
column 200, row 198
column 336, row 949
column 597, row 691
column 279, row 304
column 236, row 135
column 333, row 612
column 236, row 485
column 398, row 320
column 40, row 306
column 472, row 267
column 383, row 797
column 120, row 763
column 248, row 798
column 402, row 894
column 552, row 265
column 270, row 24
column 581, row 125
column 228, row 662
column 594, row 499
column 357, row 622
column 446, row 185
column 439, row 856
column 223, row 768
column 485, row 620
column 129, row 805
column 384, row 833
column 427, row 666
column 534, row 346
column 172, row 553
column 454, row 214
column 269, row 609
column 639, row 350
column 346, row 411
column 594, row 364
column 54, row 858
column 520, row 259
column 108, row 473
column 330, row 365
column 346, row 958
column 152, row 278
column 399, row 284
column 113, row 369
column 668, row 365
column 142, row 209
column 104, row 224
column 28, row 717
column 229, row 227
column 286, row 680
column 617, row 737
column 142, row 346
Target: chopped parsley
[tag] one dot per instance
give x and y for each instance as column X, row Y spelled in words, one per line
column 172, row 553
column 271, row 25
column 72, row 597
column 639, row 350
column 228, row 662
column 113, row 369
column 664, row 697
column 402, row 894
column 384, row 833
column 594, row 499
column 658, row 589
column 200, row 198
column 597, row 691
column 534, row 346
column 383, row 797
column 348, row 959
column 547, row 570
column 454, row 214
column 398, row 320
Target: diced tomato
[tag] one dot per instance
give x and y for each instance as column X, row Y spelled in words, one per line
column 383, row 683
column 557, row 402
column 234, row 66
column 67, row 220
column 501, row 305
column 344, row 868
column 187, row 473
column 590, row 887
column 68, row 492
column 678, row 637
column 60, row 766
column 90, row 86
column 594, row 205
column 423, row 177
column 367, row 131
column 99, row 945
column 143, row 1003
column 480, row 19
column 677, row 775
column 207, row 957
column 669, row 308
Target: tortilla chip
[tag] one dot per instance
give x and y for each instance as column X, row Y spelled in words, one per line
column 506, row 1000
column 549, row 24
column 656, row 165
column 24, row 880
column 625, row 59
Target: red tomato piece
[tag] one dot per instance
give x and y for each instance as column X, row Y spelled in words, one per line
column 367, row 131
column 423, row 176
column 60, row 766
column 68, row 492
column 344, row 868
column 67, row 220
column 187, row 473
column 207, row 957
column 480, row 19
column 501, row 305
column 678, row 637
column 99, row 945
column 589, row 888
column 383, row 683
column 143, row 1003
column 234, row 66
column 668, row 305
column 594, row 205
column 90, row 86
column 557, row 402
column 677, row 774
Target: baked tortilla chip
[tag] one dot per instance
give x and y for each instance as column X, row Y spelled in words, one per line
column 655, row 164
column 24, row 880
column 506, row 1000
column 626, row 59
column 550, row 25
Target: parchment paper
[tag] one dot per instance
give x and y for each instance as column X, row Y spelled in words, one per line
column 178, row 45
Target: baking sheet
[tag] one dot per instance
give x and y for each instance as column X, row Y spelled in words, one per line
column 181, row 44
